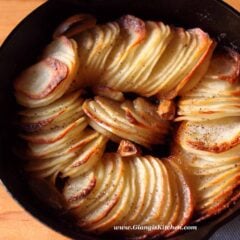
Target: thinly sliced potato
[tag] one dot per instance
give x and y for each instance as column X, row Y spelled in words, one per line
column 124, row 121
column 59, row 64
column 216, row 136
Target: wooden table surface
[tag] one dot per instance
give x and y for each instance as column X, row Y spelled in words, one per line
column 15, row 223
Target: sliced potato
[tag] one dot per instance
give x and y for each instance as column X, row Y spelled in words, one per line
column 79, row 187
column 125, row 121
column 48, row 80
column 216, row 95
column 214, row 136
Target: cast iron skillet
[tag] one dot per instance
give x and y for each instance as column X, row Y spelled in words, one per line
column 26, row 42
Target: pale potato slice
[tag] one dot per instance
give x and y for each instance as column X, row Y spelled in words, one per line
column 168, row 61
column 57, row 106
column 108, row 93
column 87, row 158
column 141, row 75
column 215, row 136
column 176, row 67
column 59, row 65
column 97, row 212
column 186, row 197
column 100, row 171
column 142, row 176
column 42, row 164
column 199, row 72
column 204, row 109
column 70, row 163
column 92, row 218
column 72, row 114
column 216, row 95
column 144, row 55
column 74, row 25
column 228, row 195
column 159, row 202
column 112, row 172
column 96, row 45
column 105, row 132
column 152, row 185
column 122, row 207
column 79, row 187
column 133, row 195
column 46, row 137
column 132, row 32
column 38, row 123
column 192, row 67
column 175, row 207
column 64, row 145
column 217, row 197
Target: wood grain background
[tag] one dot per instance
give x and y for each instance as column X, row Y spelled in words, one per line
column 15, row 223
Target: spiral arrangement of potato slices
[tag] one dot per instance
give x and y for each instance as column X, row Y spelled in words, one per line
column 68, row 133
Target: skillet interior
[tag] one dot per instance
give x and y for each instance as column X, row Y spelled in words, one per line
column 26, row 41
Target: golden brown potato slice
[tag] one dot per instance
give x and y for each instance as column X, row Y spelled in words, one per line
column 128, row 149
column 167, row 109
column 214, row 136
column 49, row 79
column 229, row 60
